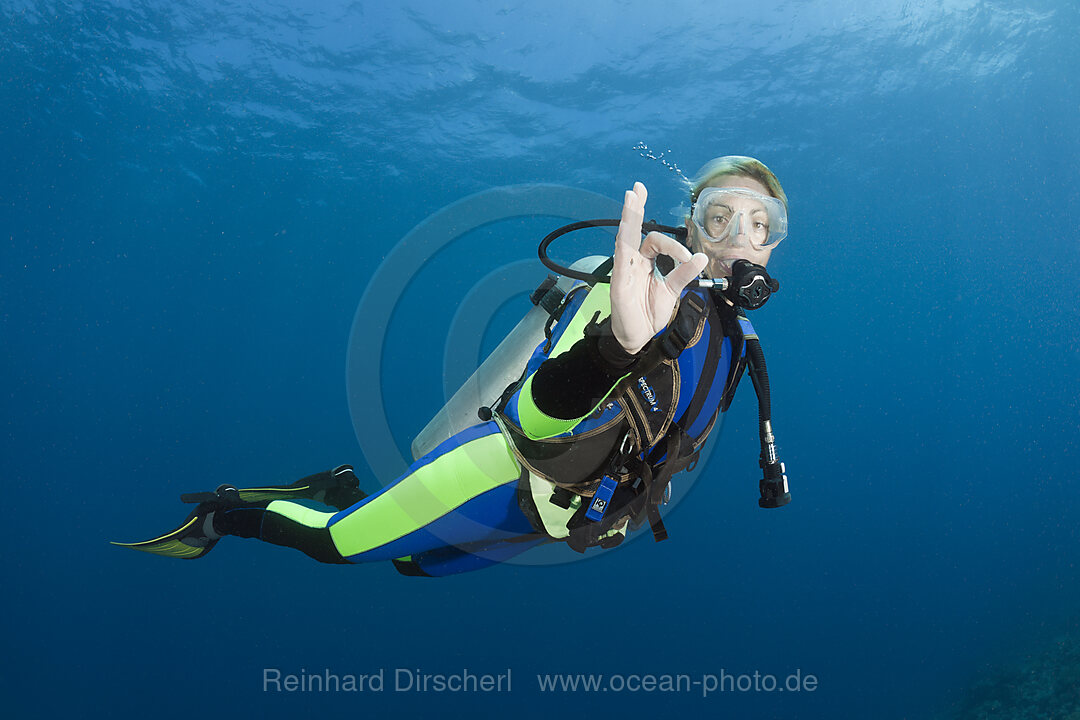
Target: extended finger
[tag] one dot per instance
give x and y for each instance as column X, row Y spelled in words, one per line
column 633, row 214
column 657, row 243
column 685, row 273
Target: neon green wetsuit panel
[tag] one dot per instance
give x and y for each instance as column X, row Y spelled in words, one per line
column 426, row 494
column 534, row 422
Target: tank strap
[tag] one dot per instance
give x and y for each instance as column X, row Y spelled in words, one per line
column 674, row 461
column 708, row 370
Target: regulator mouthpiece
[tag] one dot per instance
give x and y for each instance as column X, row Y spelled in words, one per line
column 750, row 285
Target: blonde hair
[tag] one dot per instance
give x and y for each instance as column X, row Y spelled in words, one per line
column 737, row 165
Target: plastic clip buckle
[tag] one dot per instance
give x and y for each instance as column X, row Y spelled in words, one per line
column 601, row 499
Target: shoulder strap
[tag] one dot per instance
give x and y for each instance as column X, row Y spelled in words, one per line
column 738, row 328
column 708, row 370
column 680, row 331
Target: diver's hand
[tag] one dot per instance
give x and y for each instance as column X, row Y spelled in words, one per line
column 641, row 301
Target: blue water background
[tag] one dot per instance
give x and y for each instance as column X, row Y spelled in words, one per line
column 194, row 196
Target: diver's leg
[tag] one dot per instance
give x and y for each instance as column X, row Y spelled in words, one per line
column 292, row 524
column 286, row 523
column 463, row 492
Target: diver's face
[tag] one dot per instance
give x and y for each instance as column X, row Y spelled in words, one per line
column 735, row 245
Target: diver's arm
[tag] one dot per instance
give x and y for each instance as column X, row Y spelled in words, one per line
column 573, row 382
column 583, row 368
column 570, row 385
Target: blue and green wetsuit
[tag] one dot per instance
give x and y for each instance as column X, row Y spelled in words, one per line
column 481, row 496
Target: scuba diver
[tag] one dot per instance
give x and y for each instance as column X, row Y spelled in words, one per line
column 638, row 360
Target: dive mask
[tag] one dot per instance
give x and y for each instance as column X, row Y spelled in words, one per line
column 723, row 214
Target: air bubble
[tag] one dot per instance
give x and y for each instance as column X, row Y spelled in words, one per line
column 645, row 152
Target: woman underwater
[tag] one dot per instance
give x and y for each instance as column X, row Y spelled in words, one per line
column 621, row 396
